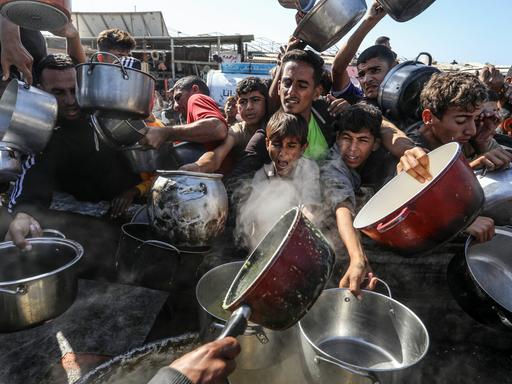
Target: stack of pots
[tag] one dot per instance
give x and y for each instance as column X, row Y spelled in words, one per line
column 27, row 119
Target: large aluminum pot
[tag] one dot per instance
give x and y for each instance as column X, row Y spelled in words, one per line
column 497, row 188
column 285, row 273
column 414, row 217
column 328, row 21
column 481, row 280
column 42, row 15
column 345, row 340
column 261, row 347
column 404, row 10
column 300, row 5
column 27, row 116
column 149, row 159
column 399, row 92
column 141, row 364
column 189, row 208
column 113, row 90
column 36, row 285
column 10, row 162
column 119, row 132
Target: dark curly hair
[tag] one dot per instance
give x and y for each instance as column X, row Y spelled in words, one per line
column 58, row 61
column 251, row 84
column 358, row 117
column 309, row 57
column 115, row 38
column 453, row 89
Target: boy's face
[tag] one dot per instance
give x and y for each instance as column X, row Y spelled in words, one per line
column 371, row 74
column 456, row 124
column 251, row 107
column 230, row 108
column 285, row 153
column 297, row 88
column 356, row 147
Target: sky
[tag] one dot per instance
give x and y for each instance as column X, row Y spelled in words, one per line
column 461, row 30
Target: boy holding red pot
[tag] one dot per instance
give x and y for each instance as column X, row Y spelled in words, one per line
column 453, row 110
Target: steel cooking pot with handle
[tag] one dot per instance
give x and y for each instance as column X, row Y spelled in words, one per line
column 414, row 217
column 328, row 21
column 114, row 91
column 404, row 10
column 42, row 15
column 300, row 5
column 27, row 116
column 497, row 187
column 39, row 284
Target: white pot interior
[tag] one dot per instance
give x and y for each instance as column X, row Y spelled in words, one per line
column 403, row 188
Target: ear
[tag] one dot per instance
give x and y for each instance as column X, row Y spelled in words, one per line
column 279, row 87
column 267, row 143
column 195, row 88
column 304, row 147
column 427, row 116
column 318, row 91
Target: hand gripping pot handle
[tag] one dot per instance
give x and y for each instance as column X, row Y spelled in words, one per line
column 96, row 54
column 383, row 227
column 355, row 371
column 237, row 323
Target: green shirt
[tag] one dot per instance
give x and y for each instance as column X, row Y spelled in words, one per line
column 317, row 145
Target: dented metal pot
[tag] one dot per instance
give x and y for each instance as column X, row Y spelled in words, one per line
column 189, row 208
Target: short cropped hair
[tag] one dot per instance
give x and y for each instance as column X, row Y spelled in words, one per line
column 453, row 89
column 377, row 51
column 282, row 125
column 251, row 84
column 309, row 57
column 59, row 61
column 186, row 84
column 381, row 40
column 115, row 38
column 359, row 117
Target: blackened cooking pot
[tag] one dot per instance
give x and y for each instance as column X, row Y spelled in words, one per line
column 413, row 217
column 404, row 10
column 39, row 284
column 480, row 280
column 261, row 347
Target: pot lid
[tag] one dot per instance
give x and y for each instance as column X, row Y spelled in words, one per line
column 490, row 265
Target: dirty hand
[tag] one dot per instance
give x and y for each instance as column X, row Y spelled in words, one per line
column 20, row 228
column 486, row 124
column 14, row 53
column 155, row 137
column 336, row 106
column 210, row 363
column 191, row 167
column 121, row 203
column 356, row 273
column 492, row 77
column 498, row 158
column 376, row 12
column 415, row 163
column 481, row 229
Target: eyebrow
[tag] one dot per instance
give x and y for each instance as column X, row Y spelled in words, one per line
column 300, row 81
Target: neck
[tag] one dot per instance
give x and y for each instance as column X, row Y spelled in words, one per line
column 306, row 114
column 428, row 134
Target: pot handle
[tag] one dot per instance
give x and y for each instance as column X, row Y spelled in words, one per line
column 20, row 290
column 237, row 323
column 95, row 55
column 355, row 371
column 504, row 319
column 47, row 232
column 383, row 227
column 257, row 331
column 387, row 287
column 426, row 54
column 162, row 244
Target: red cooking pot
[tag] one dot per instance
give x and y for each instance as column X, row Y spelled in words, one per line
column 41, row 15
column 283, row 276
column 414, row 217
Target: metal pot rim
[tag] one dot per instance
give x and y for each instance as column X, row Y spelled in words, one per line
column 268, row 265
column 505, row 231
column 383, row 297
column 79, row 251
column 163, row 172
column 115, row 66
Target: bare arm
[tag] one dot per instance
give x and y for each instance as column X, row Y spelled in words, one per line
column 74, row 46
column 211, row 160
column 393, row 139
column 340, row 78
column 359, row 267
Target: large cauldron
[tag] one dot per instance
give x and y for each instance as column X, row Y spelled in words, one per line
column 189, row 208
